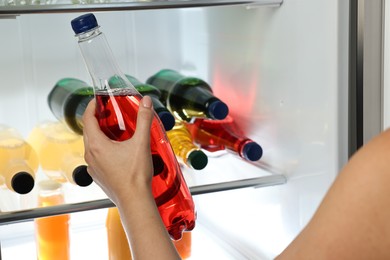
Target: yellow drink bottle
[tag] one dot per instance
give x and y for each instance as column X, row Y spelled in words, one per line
column 18, row 161
column 118, row 245
column 61, row 153
column 52, row 233
column 184, row 148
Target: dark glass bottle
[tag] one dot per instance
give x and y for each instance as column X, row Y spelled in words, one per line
column 163, row 113
column 188, row 97
column 213, row 135
column 184, row 147
column 116, row 111
column 68, row 100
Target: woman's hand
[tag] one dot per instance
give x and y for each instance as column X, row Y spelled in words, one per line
column 121, row 169
column 124, row 170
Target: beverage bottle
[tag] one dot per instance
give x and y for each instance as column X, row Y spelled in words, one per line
column 68, row 100
column 118, row 245
column 214, row 135
column 18, row 161
column 183, row 246
column 184, row 147
column 52, row 233
column 163, row 113
column 116, row 112
column 60, row 152
column 188, row 97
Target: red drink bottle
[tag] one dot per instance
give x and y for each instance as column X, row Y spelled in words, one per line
column 214, row 135
column 116, row 110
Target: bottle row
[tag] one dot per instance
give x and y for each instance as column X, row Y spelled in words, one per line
column 58, row 146
column 191, row 114
column 52, row 234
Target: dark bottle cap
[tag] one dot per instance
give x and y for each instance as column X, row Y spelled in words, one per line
column 167, row 120
column 81, row 176
column 22, row 182
column 84, row 23
column 252, row 151
column 197, row 159
column 218, row 110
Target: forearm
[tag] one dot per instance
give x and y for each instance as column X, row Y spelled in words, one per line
column 145, row 230
column 352, row 221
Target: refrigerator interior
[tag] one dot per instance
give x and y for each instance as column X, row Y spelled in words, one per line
column 283, row 71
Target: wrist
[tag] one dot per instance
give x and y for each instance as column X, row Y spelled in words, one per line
column 135, row 196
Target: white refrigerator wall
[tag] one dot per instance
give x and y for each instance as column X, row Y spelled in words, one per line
column 283, row 71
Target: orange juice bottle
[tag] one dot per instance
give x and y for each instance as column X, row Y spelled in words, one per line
column 52, row 233
column 118, row 245
column 183, row 246
column 61, row 153
column 18, row 161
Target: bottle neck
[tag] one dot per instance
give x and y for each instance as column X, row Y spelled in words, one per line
column 100, row 61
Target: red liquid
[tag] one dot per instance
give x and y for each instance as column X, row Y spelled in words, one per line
column 117, row 117
column 214, row 135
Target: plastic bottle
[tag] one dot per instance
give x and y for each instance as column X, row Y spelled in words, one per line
column 52, row 233
column 60, row 152
column 118, row 245
column 184, row 147
column 188, row 97
column 18, row 161
column 68, row 100
column 116, row 111
column 163, row 113
column 213, row 135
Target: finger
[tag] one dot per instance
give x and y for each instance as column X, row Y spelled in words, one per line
column 144, row 120
column 91, row 129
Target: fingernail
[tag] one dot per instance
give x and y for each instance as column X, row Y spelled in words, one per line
column 147, row 101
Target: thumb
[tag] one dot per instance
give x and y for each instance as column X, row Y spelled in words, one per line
column 144, row 120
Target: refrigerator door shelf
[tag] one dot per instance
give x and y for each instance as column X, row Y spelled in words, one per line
column 15, row 8
column 29, row 214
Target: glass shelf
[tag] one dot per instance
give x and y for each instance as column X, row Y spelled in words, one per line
column 214, row 178
column 63, row 6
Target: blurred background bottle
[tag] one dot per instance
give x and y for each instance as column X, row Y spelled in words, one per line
column 184, row 147
column 183, row 246
column 68, row 100
column 188, row 97
column 148, row 90
column 118, row 245
column 61, row 153
column 214, row 135
column 18, row 161
column 116, row 110
column 52, row 233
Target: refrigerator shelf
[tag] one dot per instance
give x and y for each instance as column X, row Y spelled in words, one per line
column 66, row 6
column 30, row 214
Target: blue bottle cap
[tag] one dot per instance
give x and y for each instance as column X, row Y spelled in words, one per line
column 84, row 23
column 167, row 120
column 218, row 110
column 252, row 151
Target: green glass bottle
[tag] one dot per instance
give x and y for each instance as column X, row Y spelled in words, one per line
column 163, row 113
column 68, row 100
column 188, row 97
